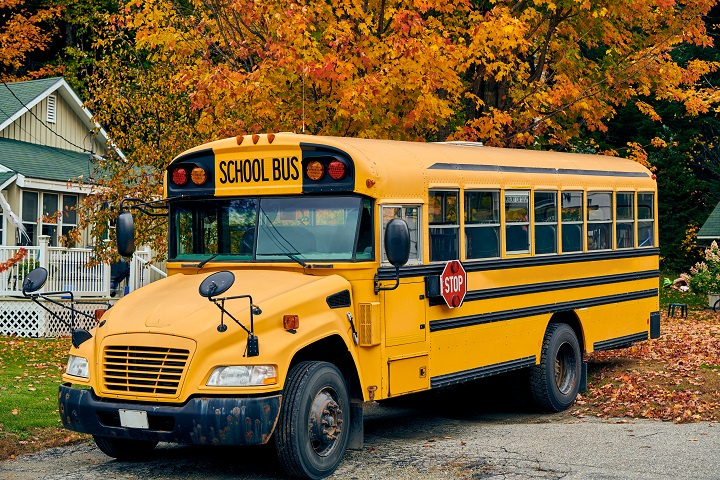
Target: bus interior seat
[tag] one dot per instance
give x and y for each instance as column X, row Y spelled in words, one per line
column 572, row 238
column 484, row 243
column 545, row 236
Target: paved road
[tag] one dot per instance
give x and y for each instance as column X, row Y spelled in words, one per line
column 431, row 437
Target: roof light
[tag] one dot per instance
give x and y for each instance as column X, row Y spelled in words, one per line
column 315, row 170
column 198, row 175
column 255, row 138
column 239, row 139
column 179, row 176
column 336, row 169
column 271, row 137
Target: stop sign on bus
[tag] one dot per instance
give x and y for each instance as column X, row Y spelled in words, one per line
column 453, row 283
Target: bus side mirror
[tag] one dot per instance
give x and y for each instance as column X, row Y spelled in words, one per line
column 125, row 234
column 34, row 280
column 397, row 242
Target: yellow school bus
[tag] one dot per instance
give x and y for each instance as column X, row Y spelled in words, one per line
column 309, row 275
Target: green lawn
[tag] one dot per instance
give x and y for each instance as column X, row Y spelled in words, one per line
column 30, row 372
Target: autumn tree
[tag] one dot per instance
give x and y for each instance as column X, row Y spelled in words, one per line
column 532, row 74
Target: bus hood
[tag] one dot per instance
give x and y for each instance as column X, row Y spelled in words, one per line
column 175, row 304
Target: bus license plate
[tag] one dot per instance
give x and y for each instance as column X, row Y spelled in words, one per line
column 134, row 418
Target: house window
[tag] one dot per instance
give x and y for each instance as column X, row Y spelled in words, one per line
column 46, row 213
column 482, row 224
column 572, row 221
column 646, row 220
column 411, row 215
column 545, row 204
column 29, row 218
column 51, row 108
column 517, row 221
column 625, row 220
column 600, row 216
column 69, row 213
column 444, row 226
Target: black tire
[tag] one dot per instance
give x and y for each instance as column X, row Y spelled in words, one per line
column 312, row 433
column 123, row 448
column 554, row 384
column 716, row 306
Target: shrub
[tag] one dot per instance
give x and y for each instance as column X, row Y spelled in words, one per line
column 704, row 277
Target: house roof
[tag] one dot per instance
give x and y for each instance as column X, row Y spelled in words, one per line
column 56, row 164
column 711, row 228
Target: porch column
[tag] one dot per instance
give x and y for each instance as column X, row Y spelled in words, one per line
column 44, row 253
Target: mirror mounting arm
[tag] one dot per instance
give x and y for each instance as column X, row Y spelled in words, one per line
column 252, row 345
column 379, row 289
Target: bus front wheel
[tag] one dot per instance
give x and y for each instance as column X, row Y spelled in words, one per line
column 124, row 449
column 313, row 428
column 555, row 382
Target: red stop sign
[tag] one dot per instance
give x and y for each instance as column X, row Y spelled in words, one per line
column 453, row 283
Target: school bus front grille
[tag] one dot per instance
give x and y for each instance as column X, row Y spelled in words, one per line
column 143, row 370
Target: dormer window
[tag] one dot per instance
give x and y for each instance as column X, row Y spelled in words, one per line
column 51, row 104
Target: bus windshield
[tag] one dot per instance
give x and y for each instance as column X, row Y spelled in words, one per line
column 272, row 229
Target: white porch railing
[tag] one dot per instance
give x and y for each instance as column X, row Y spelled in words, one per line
column 68, row 269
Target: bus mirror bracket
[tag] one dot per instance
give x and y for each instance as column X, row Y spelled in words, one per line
column 397, row 249
column 217, row 284
column 35, row 281
column 125, row 226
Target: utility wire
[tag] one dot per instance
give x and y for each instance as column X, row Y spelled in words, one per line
column 43, row 123
column 59, row 150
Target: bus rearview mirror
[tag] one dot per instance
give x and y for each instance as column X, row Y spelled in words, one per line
column 397, row 242
column 34, row 280
column 125, row 234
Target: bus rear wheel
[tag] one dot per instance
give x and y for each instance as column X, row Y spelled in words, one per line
column 124, row 449
column 313, row 428
column 555, row 382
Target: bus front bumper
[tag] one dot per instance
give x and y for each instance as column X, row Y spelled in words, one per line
column 202, row 421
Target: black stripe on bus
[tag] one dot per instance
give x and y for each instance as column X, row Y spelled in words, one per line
column 540, row 170
column 559, row 285
column 620, row 342
column 388, row 273
column 470, row 320
column 481, row 372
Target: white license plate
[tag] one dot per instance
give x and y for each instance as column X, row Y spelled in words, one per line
column 134, row 418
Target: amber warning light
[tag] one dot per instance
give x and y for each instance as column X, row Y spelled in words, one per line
column 291, row 322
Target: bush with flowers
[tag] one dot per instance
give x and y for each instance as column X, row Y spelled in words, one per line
column 704, row 277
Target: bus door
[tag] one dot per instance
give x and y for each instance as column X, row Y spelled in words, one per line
column 404, row 315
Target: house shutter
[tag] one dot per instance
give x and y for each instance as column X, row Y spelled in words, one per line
column 51, row 103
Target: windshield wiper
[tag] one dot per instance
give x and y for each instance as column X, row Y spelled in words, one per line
column 200, row 264
column 290, row 255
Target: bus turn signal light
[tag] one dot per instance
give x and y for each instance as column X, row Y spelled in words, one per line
column 336, row 170
column 291, row 322
column 198, row 175
column 179, row 176
column 315, row 170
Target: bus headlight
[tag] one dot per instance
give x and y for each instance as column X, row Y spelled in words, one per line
column 77, row 367
column 243, row 376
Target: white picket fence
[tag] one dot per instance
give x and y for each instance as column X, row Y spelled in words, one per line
column 69, row 269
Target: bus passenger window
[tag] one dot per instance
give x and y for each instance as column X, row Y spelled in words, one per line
column 599, row 215
column 482, row 224
column 646, row 220
column 411, row 215
column 572, row 221
column 364, row 250
column 625, row 220
column 517, row 221
column 545, row 210
column 444, row 226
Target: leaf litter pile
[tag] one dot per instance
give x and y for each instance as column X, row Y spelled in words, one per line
column 676, row 377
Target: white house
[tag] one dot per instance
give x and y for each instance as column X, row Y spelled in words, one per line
column 47, row 143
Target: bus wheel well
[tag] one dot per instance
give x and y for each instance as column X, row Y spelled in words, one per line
column 333, row 350
column 570, row 318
